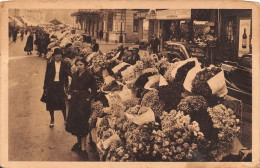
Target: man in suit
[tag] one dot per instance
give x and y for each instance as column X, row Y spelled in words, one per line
column 55, row 85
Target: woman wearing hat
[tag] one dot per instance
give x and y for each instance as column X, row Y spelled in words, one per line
column 82, row 91
column 56, row 80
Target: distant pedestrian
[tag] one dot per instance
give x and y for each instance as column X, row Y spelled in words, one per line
column 55, row 82
column 10, row 34
column 26, row 31
column 154, row 43
column 15, row 35
column 29, row 44
column 101, row 34
column 94, row 46
column 22, row 34
column 44, row 44
column 82, row 90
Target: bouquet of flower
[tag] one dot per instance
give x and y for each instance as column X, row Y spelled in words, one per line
column 163, row 65
column 134, row 110
column 171, row 95
column 99, row 62
column 192, row 104
column 139, row 142
column 210, row 81
column 116, row 106
column 183, row 70
column 104, row 130
column 97, row 111
column 179, row 140
column 196, row 107
column 149, row 60
column 152, row 100
column 132, row 72
column 117, row 152
column 168, row 72
column 131, row 103
column 227, row 124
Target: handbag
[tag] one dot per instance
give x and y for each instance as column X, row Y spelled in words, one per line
column 44, row 97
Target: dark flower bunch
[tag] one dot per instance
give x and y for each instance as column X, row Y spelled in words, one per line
column 179, row 140
column 183, row 71
column 200, row 85
column 152, row 100
column 139, row 141
column 192, row 104
column 196, row 107
column 171, row 95
column 142, row 80
column 113, row 86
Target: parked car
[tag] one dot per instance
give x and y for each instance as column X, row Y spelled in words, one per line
column 239, row 77
column 180, row 51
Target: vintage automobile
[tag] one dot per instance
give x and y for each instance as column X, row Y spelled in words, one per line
column 180, row 51
column 239, row 78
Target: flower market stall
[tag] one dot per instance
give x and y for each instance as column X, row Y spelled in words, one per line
column 154, row 110
column 149, row 109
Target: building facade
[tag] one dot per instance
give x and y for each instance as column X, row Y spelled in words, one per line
column 185, row 25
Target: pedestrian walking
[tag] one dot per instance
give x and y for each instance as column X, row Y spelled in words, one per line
column 82, row 91
column 101, row 34
column 29, row 44
column 55, row 82
column 15, row 35
column 22, row 34
column 44, row 45
column 94, row 46
column 154, row 43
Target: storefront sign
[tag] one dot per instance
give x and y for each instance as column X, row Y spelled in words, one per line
column 170, row 14
column 244, row 36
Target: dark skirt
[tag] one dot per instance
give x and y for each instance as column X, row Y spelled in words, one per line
column 78, row 116
column 56, row 97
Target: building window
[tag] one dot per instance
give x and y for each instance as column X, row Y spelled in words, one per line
column 136, row 23
column 110, row 22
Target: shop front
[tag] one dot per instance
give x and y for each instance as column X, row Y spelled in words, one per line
column 170, row 25
column 235, row 34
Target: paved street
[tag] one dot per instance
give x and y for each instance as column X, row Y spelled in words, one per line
column 30, row 138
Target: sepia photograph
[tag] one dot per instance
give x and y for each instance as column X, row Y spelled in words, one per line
column 128, row 84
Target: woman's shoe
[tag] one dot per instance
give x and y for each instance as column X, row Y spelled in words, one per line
column 76, row 147
column 51, row 125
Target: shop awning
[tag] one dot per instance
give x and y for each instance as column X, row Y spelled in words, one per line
column 173, row 14
column 29, row 22
column 14, row 21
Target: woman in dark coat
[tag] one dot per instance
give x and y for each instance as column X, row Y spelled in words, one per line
column 29, row 44
column 56, row 81
column 82, row 90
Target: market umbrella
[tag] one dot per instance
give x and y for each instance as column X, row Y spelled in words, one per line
column 55, row 22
